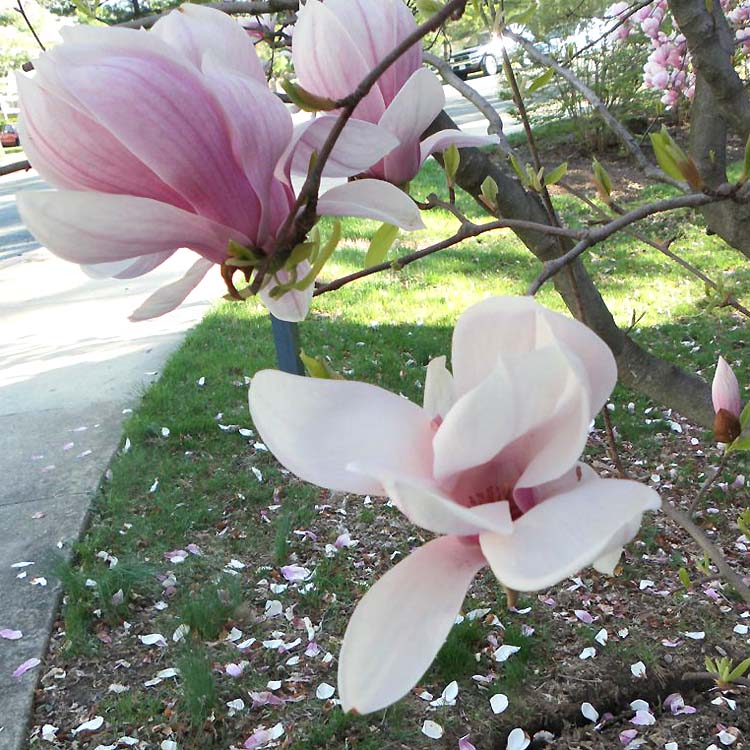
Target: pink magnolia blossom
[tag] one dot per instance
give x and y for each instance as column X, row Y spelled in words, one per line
column 489, row 463
column 725, row 389
column 337, row 43
column 171, row 138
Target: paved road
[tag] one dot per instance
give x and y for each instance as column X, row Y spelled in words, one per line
column 465, row 114
column 70, row 362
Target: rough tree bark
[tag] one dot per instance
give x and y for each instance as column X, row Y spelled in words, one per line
column 661, row 380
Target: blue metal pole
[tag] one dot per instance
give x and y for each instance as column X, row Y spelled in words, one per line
column 286, row 340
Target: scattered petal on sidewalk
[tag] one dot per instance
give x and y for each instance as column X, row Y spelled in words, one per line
column 498, row 703
column 153, row 639
column 638, row 669
column 92, row 725
column 29, row 664
column 432, row 729
column 325, row 691
column 505, row 652
column 518, row 740
column 589, row 712
column 10, row 635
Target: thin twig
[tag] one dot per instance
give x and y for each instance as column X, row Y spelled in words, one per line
column 302, row 217
column 609, row 119
column 464, row 232
column 611, row 444
column 708, row 483
column 20, row 9
column 662, row 247
column 595, row 236
column 716, row 555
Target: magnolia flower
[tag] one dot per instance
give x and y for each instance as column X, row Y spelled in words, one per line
column 725, row 392
column 171, row 138
column 337, row 43
column 489, row 463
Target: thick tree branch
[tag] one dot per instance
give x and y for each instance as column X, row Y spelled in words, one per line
column 624, row 135
column 16, row 166
column 253, row 8
column 711, row 46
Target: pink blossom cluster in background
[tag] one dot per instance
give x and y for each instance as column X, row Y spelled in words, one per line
column 668, row 67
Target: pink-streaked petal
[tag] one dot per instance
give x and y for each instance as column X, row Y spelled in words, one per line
column 261, row 129
column 89, row 227
column 28, row 665
column 376, row 29
column 149, row 103
column 566, row 533
column 439, row 395
column 328, row 62
column 172, row 295
column 71, row 150
column 360, row 145
column 372, row 199
column 442, row 139
column 725, row 389
column 425, row 506
column 503, row 326
column 292, row 306
column 317, row 428
column 194, row 30
column 11, row 635
column 402, row 621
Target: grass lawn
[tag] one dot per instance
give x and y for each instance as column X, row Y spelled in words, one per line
column 209, row 482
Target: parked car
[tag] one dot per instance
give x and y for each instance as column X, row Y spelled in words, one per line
column 9, row 135
column 481, row 58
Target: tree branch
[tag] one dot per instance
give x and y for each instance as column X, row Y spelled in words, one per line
column 473, row 96
column 20, row 9
column 624, row 135
column 17, row 166
column 714, row 553
column 595, row 236
column 253, row 8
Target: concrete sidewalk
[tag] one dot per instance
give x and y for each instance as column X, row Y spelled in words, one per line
column 70, row 363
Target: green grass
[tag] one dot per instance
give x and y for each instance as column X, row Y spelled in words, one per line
column 383, row 330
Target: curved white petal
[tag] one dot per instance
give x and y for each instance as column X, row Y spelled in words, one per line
column 171, row 296
column 91, row 228
column 360, row 145
column 568, row 532
column 192, row 30
column 443, row 138
column 126, row 269
column 431, row 510
column 414, row 107
column 318, row 428
column 372, row 199
column 292, row 306
column 725, row 389
column 402, row 621
column 502, row 326
column 439, row 394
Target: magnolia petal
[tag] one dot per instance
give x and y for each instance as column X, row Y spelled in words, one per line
column 149, row 103
column 443, row 138
column 508, row 326
column 564, row 534
column 89, row 228
column 401, row 622
column 429, row 509
column 194, row 30
column 360, row 145
column 414, row 107
column 172, row 295
column 292, row 306
column 126, row 269
column 372, row 199
column 439, row 395
column 725, row 389
column 317, row 428
column 328, row 62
